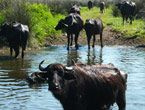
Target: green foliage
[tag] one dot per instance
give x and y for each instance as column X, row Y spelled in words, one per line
column 42, row 22
column 115, row 11
column 43, row 17
column 2, row 18
column 136, row 29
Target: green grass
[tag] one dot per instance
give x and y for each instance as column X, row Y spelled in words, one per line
column 42, row 22
column 136, row 29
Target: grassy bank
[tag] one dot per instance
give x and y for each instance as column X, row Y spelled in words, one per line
column 137, row 29
column 42, row 18
column 42, row 22
column 37, row 16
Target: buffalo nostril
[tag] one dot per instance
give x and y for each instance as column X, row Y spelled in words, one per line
column 54, row 86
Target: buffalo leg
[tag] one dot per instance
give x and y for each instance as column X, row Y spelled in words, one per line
column 16, row 49
column 131, row 18
column 23, row 53
column 123, row 19
column 11, row 51
column 68, row 41
column 94, row 40
column 126, row 19
column 71, row 40
column 23, row 50
column 88, row 40
column 101, row 40
column 121, row 100
column 76, row 41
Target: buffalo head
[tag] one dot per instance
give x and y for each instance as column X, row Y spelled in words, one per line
column 61, row 25
column 57, row 75
column 4, row 28
column 75, row 9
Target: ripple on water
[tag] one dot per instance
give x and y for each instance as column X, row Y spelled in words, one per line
column 15, row 94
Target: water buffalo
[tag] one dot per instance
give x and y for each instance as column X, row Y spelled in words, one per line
column 72, row 24
column 16, row 35
column 74, row 9
column 127, row 10
column 37, row 78
column 90, row 4
column 92, row 28
column 102, row 6
column 86, row 87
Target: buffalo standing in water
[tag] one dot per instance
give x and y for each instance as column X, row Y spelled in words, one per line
column 72, row 24
column 86, row 87
column 127, row 10
column 17, row 35
column 92, row 28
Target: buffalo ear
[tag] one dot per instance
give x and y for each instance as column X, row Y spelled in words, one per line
column 69, row 74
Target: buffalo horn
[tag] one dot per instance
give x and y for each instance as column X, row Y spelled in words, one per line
column 65, row 24
column 42, row 68
column 69, row 68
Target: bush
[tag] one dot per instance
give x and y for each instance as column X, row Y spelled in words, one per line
column 115, row 11
column 37, row 16
column 42, row 22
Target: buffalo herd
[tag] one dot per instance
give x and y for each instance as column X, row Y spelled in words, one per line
column 73, row 24
column 17, row 34
column 81, row 86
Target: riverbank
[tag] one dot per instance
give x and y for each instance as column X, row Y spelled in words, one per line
column 110, row 37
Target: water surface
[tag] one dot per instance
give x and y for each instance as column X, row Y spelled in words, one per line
column 15, row 94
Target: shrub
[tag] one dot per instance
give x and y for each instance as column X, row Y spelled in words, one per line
column 115, row 11
column 42, row 22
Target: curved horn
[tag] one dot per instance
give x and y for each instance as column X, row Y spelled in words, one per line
column 42, row 68
column 69, row 68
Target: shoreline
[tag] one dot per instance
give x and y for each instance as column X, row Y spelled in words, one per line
column 110, row 38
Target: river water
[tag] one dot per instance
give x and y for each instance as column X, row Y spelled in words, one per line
column 15, row 94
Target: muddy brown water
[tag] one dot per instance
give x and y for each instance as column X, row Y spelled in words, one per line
column 15, row 94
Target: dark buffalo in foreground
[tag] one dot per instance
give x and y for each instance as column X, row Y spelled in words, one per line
column 92, row 28
column 16, row 35
column 127, row 10
column 74, row 9
column 90, row 4
column 72, row 24
column 87, row 87
column 102, row 6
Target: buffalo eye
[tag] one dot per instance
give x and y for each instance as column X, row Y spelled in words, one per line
column 69, row 75
column 59, row 72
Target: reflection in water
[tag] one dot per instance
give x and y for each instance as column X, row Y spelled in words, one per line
column 16, row 68
column 72, row 57
column 15, row 93
column 13, row 88
column 92, row 58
